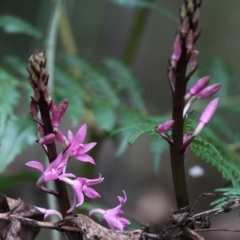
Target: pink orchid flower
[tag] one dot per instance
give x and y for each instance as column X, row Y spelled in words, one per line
column 80, row 187
column 51, row 173
column 114, row 216
column 77, row 149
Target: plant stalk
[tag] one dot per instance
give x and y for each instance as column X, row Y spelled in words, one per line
column 177, row 157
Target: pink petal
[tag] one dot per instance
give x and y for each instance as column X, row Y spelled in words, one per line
column 113, row 222
column 86, row 147
column 73, row 204
column 35, row 164
column 80, row 135
column 125, row 222
column 80, row 197
column 85, row 158
column 90, row 182
column 91, row 193
column 70, row 136
column 49, row 177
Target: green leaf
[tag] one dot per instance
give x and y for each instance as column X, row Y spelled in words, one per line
column 104, row 114
column 124, row 82
column 230, row 193
column 209, row 153
column 137, row 134
column 17, row 65
column 18, row 135
column 9, row 96
column 128, row 121
column 12, row 180
column 93, row 79
column 12, row 24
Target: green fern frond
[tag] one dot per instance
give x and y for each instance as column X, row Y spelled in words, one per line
column 93, row 78
column 70, row 88
column 216, row 157
column 104, row 114
column 124, row 82
column 158, row 147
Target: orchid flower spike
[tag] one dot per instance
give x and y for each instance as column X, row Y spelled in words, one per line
column 77, row 149
column 114, row 216
column 206, row 116
column 80, row 187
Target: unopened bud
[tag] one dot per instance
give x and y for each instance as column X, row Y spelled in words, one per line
column 165, row 127
column 209, row 91
column 197, row 87
column 48, row 139
column 206, row 116
column 193, row 58
column 33, row 108
column 185, row 26
column 196, row 15
column 189, row 40
column 176, row 48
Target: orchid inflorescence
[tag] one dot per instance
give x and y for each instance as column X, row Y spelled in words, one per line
column 73, row 147
column 182, row 66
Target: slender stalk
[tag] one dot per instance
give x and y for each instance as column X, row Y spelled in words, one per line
column 182, row 56
column 177, row 157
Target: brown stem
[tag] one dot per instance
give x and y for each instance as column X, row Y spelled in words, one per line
column 177, row 156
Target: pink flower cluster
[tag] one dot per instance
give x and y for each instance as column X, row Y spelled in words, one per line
column 74, row 147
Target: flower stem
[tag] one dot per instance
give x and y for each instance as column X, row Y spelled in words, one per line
column 177, row 157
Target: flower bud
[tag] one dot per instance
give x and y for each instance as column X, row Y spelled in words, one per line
column 165, row 127
column 176, row 48
column 189, row 41
column 197, row 87
column 206, row 116
column 209, row 91
column 193, row 58
column 48, row 139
